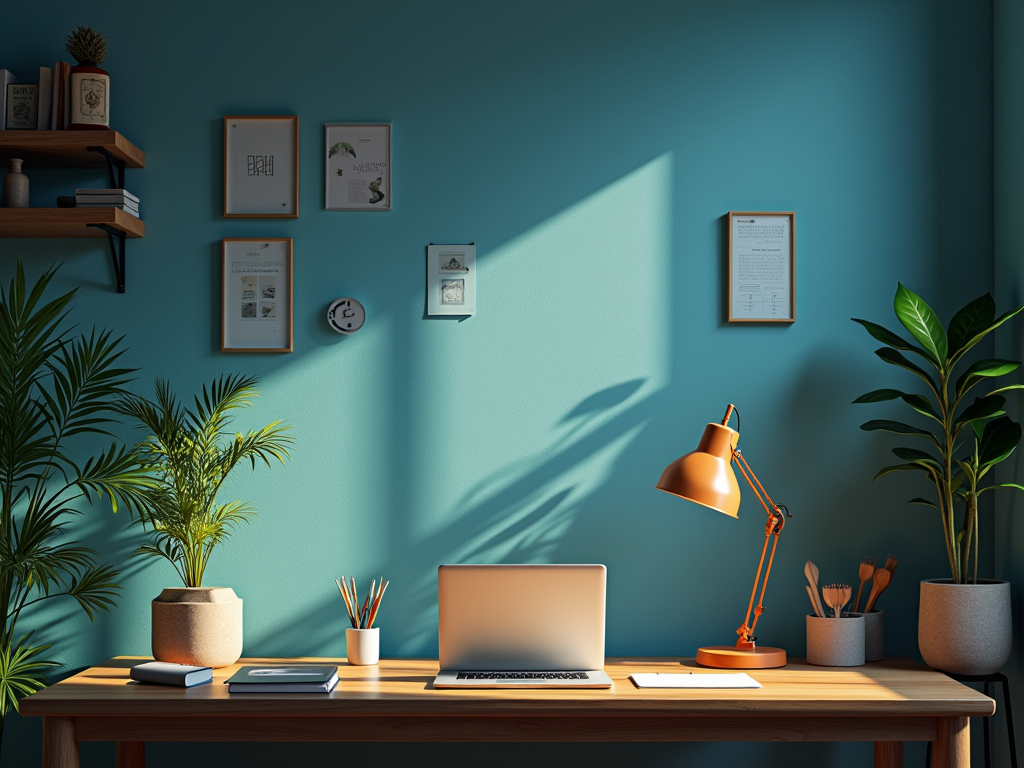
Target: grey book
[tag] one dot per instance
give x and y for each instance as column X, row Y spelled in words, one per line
column 21, row 106
column 304, row 678
column 165, row 673
column 79, row 193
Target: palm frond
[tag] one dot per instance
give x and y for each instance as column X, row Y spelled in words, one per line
column 22, row 673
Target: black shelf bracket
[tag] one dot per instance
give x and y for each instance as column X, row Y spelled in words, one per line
column 116, row 251
column 115, row 167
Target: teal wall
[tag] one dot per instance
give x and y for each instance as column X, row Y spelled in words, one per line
column 590, row 150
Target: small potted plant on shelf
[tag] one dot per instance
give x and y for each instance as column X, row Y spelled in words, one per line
column 190, row 453
column 88, row 85
column 964, row 622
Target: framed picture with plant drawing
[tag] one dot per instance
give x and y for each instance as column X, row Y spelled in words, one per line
column 761, row 287
column 261, row 167
column 256, row 303
column 357, row 171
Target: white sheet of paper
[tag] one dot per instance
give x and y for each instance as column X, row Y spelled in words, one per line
column 761, row 267
column 693, row 680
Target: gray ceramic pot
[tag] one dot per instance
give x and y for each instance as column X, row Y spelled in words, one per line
column 965, row 628
column 200, row 626
column 835, row 642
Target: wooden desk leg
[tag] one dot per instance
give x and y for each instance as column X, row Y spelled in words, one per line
column 131, row 754
column 60, row 750
column 953, row 744
column 888, row 754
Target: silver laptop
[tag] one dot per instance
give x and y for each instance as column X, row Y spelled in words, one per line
column 521, row 626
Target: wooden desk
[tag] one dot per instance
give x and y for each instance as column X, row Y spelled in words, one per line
column 886, row 702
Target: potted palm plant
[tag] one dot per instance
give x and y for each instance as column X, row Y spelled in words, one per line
column 56, row 387
column 189, row 453
column 964, row 622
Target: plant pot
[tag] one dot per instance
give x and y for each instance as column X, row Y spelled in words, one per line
column 965, row 628
column 200, row 626
column 874, row 635
column 363, row 645
column 835, row 642
column 89, row 99
column 15, row 186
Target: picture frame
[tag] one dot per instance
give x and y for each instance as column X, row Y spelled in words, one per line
column 451, row 279
column 357, row 167
column 261, row 167
column 761, row 267
column 256, row 294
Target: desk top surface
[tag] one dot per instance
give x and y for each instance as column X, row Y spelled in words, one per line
column 896, row 686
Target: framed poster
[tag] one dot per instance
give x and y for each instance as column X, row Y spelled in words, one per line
column 358, row 167
column 256, row 303
column 261, row 167
column 762, row 267
column 451, row 279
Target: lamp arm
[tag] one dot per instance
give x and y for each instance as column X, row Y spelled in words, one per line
column 777, row 514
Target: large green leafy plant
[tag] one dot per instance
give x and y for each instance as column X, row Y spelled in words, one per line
column 964, row 440
column 56, row 387
column 190, row 453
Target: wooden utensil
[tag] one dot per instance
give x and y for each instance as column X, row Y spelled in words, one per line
column 864, row 573
column 811, row 572
column 890, row 564
column 837, row 596
column 814, row 605
column 879, row 582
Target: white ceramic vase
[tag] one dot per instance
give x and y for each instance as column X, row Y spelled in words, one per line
column 362, row 645
column 965, row 629
column 200, row 626
column 15, row 186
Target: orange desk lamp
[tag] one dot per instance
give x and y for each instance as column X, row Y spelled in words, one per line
column 706, row 477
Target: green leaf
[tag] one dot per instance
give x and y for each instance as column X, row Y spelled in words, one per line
column 982, row 408
column 1006, row 389
column 1000, row 438
column 21, row 672
column 995, row 324
column 879, row 395
column 1002, row 485
column 973, row 319
column 923, row 324
column 886, row 336
column 899, row 468
column 922, row 405
column 892, row 357
column 924, row 502
column 988, row 368
column 896, row 427
column 913, row 454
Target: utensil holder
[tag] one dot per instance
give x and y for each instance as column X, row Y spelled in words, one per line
column 874, row 635
column 835, row 642
column 363, row 646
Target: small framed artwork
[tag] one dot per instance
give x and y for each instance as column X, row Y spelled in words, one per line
column 451, row 279
column 761, row 287
column 261, row 167
column 358, row 167
column 256, row 303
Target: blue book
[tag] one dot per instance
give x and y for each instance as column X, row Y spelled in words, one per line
column 304, row 678
column 165, row 673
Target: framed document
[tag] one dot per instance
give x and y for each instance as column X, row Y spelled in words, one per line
column 358, row 167
column 261, row 167
column 762, row 267
column 256, row 303
column 451, row 279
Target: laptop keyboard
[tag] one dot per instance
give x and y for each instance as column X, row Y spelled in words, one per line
column 522, row 676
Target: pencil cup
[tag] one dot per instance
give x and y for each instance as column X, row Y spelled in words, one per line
column 835, row 642
column 363, row 645
column 874, row 635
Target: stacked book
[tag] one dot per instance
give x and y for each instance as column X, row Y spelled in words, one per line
column 292, row 679
column 106, row 198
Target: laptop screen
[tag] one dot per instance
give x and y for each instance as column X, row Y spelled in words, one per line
column 521, row 617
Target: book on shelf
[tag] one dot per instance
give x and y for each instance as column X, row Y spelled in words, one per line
column 21, row 106
column 6, row 78
column 165, row 673
column 304, row 678
column 59, row 96
column 133, row 211
column 115, row 195
column 45, row 100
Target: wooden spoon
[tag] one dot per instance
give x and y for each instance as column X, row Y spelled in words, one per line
column 837, row 596
column 878, row 584
column 814, row 605
column 864, row 573
column 811, row 572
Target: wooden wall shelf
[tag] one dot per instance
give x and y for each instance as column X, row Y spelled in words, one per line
column 68, row 149
column 67, row 222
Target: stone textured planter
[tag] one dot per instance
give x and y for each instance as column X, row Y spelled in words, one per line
column 965, row 628
column 836, row 642
column 200, row 626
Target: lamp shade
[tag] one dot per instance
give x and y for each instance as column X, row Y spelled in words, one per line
column 705, row 475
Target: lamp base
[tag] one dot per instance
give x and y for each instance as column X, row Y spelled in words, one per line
column 731, row 657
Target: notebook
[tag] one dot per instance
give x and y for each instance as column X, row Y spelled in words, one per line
column 303, row 678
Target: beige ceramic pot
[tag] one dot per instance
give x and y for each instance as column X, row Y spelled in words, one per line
column 965, row 628
column 200, row 626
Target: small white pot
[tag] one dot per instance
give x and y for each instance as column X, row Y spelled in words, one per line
column 835, row 642
column 965, row 629
column 201, row 626
column 363, row 646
